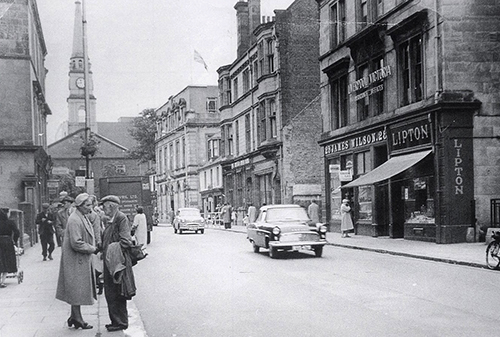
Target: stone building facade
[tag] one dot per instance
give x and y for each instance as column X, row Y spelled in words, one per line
column 410, row 115
column 24, row 163
column 270, row 108
column 185, row 123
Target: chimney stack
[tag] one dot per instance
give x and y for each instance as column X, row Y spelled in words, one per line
column 242, row 21
column 254, row 17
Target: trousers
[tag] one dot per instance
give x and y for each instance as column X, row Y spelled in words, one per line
column 47, row 242
column 117, row 304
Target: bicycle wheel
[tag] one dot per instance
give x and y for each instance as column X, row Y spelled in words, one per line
column 492, row 252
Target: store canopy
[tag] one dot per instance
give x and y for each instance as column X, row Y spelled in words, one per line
column 390, row 168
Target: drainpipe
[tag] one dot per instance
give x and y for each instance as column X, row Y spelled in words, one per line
column 438, row 55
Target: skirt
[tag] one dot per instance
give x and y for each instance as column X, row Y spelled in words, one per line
column 8, row 262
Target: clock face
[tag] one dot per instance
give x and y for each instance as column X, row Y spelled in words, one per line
column 80, row 82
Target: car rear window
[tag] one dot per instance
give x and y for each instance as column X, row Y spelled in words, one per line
column 286, row 214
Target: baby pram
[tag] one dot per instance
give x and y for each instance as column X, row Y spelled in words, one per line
column 20, row 273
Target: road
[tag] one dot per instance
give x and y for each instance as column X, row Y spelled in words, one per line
column 214, row 285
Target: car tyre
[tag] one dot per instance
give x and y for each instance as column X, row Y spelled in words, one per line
column 202, row 231
column 175, row 230
column 255, row 247
column 318, row 251
column 273, row 253
column 180, row 231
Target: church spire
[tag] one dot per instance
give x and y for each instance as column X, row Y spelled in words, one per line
column 78, row 31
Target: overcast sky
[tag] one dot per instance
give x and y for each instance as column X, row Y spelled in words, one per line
column 141, row 51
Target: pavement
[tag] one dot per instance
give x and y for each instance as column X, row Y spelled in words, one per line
column 29, row 308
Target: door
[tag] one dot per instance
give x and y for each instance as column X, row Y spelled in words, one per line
column 396, row 228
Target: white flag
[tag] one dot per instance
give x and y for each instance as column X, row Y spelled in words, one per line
column 199, row 59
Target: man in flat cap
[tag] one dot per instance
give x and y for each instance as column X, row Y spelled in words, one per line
column 62, row 217
column 117, row 230
column 45, row 220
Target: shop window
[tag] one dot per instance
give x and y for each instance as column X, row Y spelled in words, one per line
column 411, row 70
column 335, row 192
column 339, row 108
column 337, row 23
column 419, row 201
column 365, row 203
column 363, row 162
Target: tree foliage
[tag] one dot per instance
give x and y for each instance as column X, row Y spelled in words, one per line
column 143, row 132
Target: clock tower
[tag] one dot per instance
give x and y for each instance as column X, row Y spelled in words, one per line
column 76, row 99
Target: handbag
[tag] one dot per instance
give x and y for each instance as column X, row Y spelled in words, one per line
column 137, row 253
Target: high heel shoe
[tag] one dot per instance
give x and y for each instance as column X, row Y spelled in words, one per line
column 70, row 322
column 83, row 325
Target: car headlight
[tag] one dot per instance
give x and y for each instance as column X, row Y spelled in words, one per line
column 276, row 230
column 322, row 229
column 183, row 220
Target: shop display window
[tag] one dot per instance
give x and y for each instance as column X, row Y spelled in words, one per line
column 335, row 192
column 365, row 203
column 419, row 203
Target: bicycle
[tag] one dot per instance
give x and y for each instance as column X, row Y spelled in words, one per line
column 493, row 251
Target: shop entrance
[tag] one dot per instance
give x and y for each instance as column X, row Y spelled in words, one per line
column 382, row 218
column 396, row 228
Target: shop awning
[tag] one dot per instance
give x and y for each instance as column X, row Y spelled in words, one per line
column 390, row 168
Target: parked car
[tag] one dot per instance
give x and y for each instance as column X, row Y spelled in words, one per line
column 286, row 228
column 188, row 219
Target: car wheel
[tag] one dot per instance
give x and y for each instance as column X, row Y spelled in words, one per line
column 318, row 251
column 255, row 247
column 175, row 230
column 273, row 253
column 202, row 231
column 180, row 231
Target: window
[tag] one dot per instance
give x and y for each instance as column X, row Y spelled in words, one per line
column 363, row 162
column 411, row 70
column 235, row 89
column 246, row 80
column 120, row 169
column 270, row 56
column 213, row 148
column 363, row 14
column 177, row 154
column 272, row 119
column 211, row 104
column 339, row 111
column 183, row 146
column 255, row 72
column 261, row 58
column 262, row 121
column 364, row 102
column 248, row 135
column 171, row 156
column 237, row 137
column 229, row 137
column 337, row 23
column 377, row 98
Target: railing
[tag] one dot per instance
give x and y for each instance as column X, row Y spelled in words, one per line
column 495, row 213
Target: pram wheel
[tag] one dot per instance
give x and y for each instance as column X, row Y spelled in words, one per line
column 20, row 277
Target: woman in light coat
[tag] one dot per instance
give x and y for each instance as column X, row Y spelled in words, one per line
column 346, row 224
column 140, row 227
column 76, row 284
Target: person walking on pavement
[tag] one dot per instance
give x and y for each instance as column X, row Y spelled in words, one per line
column 226, row 215
column 140, row 227
column 62, row 218
column 96, row 219
column 346, row 224
column 252, row 213
column 76, row 283
column 9, row 234
column 46, row 220
column 313, row 211
column 117, row 231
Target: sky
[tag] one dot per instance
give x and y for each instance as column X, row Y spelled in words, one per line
column 141, row 51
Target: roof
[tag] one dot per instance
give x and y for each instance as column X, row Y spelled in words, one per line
column 118, row 132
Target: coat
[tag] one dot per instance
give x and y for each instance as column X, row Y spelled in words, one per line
column 346, row 220
column 141, row 228
column 61, row 220
column 313, row 212
column 45, row 227
column 76, row 283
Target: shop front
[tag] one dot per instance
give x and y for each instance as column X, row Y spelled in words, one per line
column 415, row 181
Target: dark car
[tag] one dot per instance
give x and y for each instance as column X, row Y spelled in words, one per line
column 286, row 228
column 189, row 219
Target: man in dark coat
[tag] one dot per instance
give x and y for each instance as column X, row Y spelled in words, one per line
column 46, row 221
column 116, row 230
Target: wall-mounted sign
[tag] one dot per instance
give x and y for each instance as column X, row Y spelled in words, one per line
column 365, row 82
column 368, row 138
column 345, row 175
column 409, row 135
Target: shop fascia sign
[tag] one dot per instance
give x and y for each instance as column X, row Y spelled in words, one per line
column 410, row 135
column 368, row 138
column 363, row 83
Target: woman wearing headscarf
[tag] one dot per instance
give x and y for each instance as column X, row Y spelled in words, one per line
column 76, row 284
column 9, row 234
